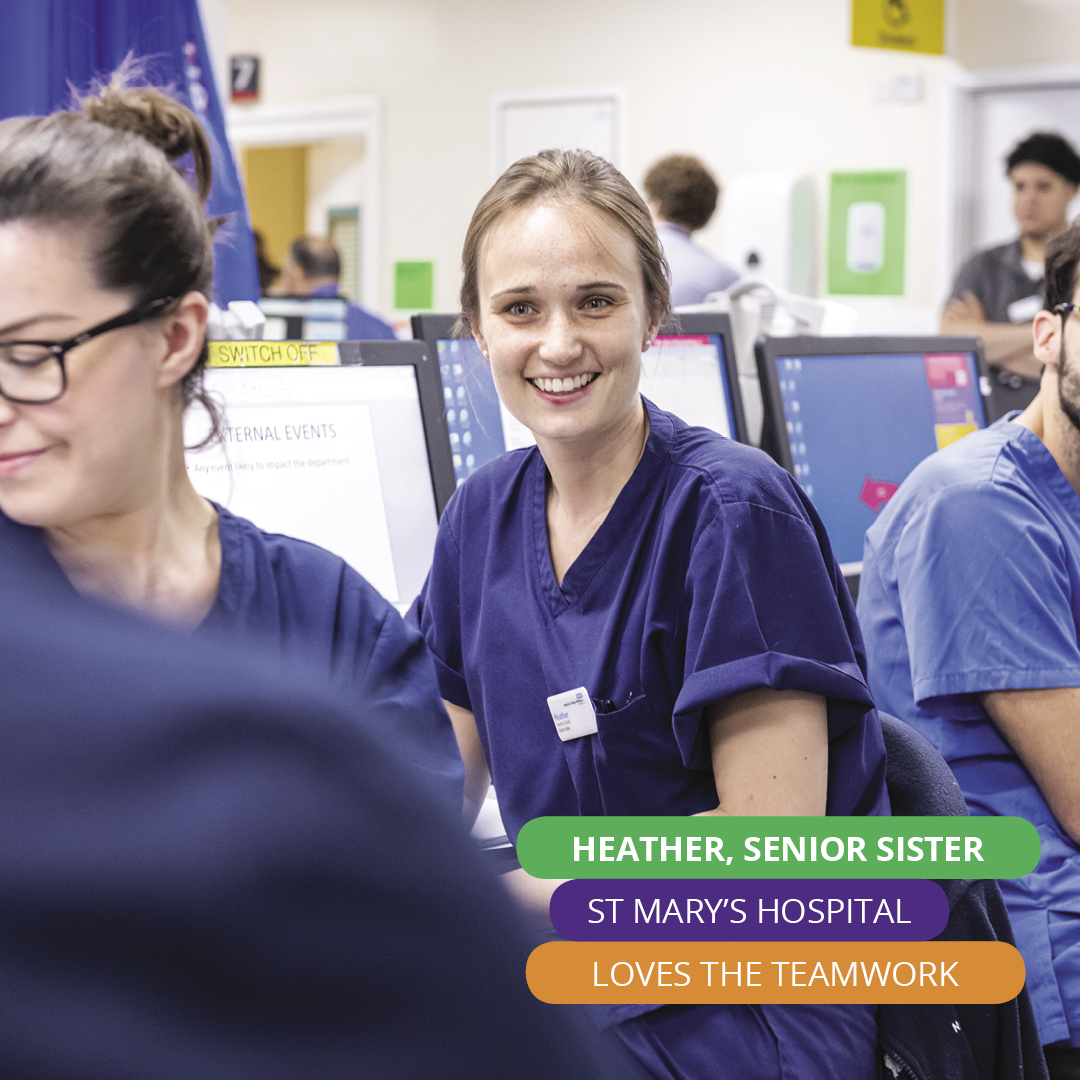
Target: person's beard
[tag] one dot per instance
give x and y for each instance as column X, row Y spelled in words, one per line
column 1069, row 386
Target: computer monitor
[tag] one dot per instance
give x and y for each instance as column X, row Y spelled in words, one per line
column 690, row 371
column 850, row 417
column 332, row 443
column 305, row 318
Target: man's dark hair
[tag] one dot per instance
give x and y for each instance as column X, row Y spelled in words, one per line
column 316, row 257
column 1062, row 256
column 1046, row 148
column 686, row 190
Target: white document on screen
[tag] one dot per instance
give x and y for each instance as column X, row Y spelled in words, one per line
column 311, row 452
column 682, row 375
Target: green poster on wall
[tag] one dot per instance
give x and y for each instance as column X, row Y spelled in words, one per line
column 867, row 212
column 414, row 286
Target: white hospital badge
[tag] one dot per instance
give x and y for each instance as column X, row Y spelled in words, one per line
column 573, row 713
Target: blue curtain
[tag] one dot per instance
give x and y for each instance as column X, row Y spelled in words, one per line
column 47, row 47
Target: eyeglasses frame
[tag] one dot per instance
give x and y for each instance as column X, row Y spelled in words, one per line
column 139, row 314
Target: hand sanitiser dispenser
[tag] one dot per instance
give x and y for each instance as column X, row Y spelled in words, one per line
column 866, row 237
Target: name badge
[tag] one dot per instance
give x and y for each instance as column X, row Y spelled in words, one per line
column 1023, row 311
column 573, row 713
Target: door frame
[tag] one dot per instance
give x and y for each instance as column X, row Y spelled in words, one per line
column 353, row 117
column 957, row 190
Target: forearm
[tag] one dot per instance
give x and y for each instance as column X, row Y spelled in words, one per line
column 1041, row 726
column 1005, row 345
column 477, row 775
column 532, row 894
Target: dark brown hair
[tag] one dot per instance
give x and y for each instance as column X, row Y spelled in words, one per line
column 574, row 177
column 686, row 190
column 1062, row 256
column 109, row 168
column 315, row 256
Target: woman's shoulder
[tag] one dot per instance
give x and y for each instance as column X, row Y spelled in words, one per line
column 498, row 484
column 298, row 578
column 726, row 472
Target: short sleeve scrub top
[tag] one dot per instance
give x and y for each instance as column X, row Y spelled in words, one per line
column 711, row 576
column 971, row 583
column 287, row 596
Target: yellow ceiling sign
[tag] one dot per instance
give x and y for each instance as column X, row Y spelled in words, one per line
column 908, row 25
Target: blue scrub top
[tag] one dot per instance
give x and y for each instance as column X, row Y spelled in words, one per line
column 971, row 583
column 360, row 325
column 710, row 576
column 303, row 602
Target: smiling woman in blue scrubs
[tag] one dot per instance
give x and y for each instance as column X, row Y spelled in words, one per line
column 106, row 261
column 680, row 580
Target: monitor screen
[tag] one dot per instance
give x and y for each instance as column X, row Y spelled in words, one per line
column 684, row 374
column 333, row 455
column 479, row 424
column 855, row 423
column 291, row 318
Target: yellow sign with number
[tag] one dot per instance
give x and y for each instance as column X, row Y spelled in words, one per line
column 907, row 25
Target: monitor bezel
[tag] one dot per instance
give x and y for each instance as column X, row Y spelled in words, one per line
column 435, row 328
column 418, row 355
column 767, row 350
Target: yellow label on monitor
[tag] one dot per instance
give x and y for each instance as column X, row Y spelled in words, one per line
column 947, row 434
column 908, row 25
column 273, row 353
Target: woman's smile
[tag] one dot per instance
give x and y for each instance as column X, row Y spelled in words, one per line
column 564, row 321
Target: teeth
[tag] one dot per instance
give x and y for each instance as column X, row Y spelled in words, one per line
column 563, row 386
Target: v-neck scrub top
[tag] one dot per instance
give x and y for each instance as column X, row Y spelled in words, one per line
column 710, row 576
column 291, row 598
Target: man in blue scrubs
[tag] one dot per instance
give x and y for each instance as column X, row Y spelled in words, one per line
column 313, row 268
column 970, row 605
column 210, row 868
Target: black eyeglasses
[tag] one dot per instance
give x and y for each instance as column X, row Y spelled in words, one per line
column 33, row 372
column 1065, row 310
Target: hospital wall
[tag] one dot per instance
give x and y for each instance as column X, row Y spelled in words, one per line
column 749, row 86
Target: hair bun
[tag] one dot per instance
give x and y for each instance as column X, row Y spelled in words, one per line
column 171, row 127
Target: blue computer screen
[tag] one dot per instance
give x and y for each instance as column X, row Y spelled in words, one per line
column 857, row 425
column 683, row 374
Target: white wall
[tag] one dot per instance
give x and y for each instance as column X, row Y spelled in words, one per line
column 768, row 84
column 1014, row 33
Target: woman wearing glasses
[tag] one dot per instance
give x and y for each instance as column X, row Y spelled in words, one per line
column 679, row 580
column 105, row 268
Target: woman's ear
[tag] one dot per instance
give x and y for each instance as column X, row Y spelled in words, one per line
column 478, row 335
column 184, row 330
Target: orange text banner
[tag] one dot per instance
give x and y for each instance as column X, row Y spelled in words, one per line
column 775, row 973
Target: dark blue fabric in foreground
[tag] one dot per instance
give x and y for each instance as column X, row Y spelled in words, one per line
column 209, row 869
column 288, row 598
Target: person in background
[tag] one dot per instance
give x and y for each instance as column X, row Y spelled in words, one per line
column 313, row 268
column 106, row 265
column 970, row 604
column 212, row 870
column 682, row 196
column 998, row 291
column 268, row 272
